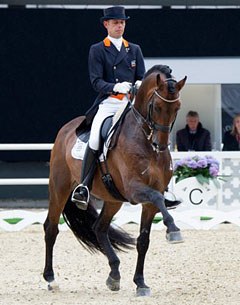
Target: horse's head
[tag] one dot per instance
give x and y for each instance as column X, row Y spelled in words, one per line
column 158, row 102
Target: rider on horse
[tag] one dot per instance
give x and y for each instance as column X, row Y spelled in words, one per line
column 114, row 66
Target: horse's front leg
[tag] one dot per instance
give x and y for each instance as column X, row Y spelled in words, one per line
column 101, row 228
column 148, row 213
column 145, row 194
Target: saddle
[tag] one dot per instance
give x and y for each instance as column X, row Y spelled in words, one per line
column 110, row 130
column 109, row 134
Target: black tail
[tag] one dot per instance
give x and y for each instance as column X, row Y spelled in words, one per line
column 81, row 223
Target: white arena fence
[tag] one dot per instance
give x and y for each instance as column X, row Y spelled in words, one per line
column 25, row 181
column 201, row 208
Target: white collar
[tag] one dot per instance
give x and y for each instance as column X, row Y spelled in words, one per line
column 116, row 41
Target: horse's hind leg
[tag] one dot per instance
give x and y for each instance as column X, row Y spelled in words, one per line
column 51, row 232
column 59, row 192
column 100, row 228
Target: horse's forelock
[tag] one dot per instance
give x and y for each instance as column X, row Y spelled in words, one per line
column 166, row 70
column 169, row 82
column 171, row 86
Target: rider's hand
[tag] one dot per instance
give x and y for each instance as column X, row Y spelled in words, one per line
column 137, row 84
column 123, row 87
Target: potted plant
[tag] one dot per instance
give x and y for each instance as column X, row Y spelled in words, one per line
column 204, row 169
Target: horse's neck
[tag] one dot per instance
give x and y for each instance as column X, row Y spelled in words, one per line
column 140, row 103
column 132, row 130
column 144, row 95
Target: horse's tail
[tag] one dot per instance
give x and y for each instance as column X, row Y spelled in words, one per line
column 81, row 223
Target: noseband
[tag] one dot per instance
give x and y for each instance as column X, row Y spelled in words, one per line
column 153, row 126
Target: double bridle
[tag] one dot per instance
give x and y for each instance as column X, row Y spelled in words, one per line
column 152, row 125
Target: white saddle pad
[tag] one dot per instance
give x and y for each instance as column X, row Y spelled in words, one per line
column 78, row 149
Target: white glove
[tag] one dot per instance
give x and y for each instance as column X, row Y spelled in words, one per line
column 138, row 84
column 123, row 87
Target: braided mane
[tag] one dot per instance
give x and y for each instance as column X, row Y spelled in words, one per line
column 166, row 70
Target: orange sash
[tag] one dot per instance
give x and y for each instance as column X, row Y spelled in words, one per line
column 119, row 96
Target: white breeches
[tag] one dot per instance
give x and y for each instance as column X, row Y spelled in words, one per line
column 107, row 108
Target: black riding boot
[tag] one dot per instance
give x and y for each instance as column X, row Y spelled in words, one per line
column 81, row 193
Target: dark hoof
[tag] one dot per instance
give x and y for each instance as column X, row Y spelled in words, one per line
column 112, row 284
column 172, row 204
column 48, row 276
column 174, row 237
column 143, row 292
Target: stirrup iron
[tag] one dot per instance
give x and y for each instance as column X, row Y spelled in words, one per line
column 81, row 204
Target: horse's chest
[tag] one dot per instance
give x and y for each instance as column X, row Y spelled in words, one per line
column 163, row 165
column 160, row 173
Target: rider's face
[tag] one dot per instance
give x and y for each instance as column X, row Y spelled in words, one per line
column 115, row 27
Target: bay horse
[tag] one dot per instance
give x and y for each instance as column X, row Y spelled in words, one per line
column 141, row 168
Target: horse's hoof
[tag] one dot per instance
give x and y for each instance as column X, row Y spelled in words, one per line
column 112, row 284
column 53, row 286
column 174, row 237
column 143, row 292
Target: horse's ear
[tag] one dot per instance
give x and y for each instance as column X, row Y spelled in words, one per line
column 181, row 83
column 159, row 81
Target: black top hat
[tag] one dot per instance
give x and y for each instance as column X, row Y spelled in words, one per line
column 114, row 12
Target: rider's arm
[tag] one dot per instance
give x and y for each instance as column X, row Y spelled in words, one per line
column 140, row 67
column 96, row 71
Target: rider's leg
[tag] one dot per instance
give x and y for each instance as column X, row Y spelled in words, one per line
column 82, row 192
